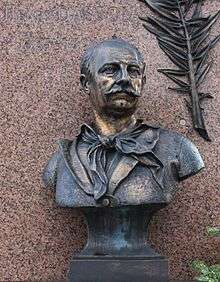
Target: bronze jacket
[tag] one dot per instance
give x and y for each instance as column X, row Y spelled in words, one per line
column 141, row 166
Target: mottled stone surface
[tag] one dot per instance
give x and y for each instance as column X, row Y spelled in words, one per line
column 40, row 47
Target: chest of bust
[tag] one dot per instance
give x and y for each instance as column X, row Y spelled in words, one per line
column 138, row 187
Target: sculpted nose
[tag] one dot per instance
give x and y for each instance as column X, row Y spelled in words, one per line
column 123, row 78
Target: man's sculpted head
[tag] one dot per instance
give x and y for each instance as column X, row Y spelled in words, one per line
column 112, row 73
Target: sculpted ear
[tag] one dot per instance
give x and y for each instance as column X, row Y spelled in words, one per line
column 84, row 83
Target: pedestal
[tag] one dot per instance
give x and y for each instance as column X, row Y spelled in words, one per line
column 117, row 249
column 117, row 269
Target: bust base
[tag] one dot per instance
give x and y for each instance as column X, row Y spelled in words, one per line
column 118, row 269
column 117, row 247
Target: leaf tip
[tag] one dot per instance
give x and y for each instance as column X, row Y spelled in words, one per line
column 204, row 134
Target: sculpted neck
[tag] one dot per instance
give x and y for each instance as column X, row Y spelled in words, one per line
column 110, row 125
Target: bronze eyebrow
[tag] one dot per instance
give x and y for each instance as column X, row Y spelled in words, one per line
column 107, row 65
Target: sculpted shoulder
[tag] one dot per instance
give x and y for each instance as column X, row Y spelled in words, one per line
column 174, row 144
column 50, row 170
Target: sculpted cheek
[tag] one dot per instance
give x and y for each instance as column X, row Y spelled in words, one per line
column 137, row 83
column 105, row 82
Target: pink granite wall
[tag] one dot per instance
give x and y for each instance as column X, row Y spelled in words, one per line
column 40, row 47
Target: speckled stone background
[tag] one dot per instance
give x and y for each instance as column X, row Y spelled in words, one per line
column 40, row 47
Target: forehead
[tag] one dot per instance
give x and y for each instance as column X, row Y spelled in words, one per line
column 115, row 54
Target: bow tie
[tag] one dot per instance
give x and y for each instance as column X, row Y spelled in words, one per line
column 136, row 143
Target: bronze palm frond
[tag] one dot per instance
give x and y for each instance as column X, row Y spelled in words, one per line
column 182, row 33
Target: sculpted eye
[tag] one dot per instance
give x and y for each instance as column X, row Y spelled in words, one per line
column 109, row 70
column 133, row 71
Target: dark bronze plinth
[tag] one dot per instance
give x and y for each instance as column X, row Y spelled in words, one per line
column 117, row 249
column 118, row 269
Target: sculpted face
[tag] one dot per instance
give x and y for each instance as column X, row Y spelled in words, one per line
column 116, row 80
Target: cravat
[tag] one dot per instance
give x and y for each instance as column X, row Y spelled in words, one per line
column 136, row 143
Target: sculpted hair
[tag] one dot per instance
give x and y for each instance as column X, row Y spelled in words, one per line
column 90, row 53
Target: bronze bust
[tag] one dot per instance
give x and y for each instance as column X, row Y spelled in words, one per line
column 119, row 170
column 119, row 160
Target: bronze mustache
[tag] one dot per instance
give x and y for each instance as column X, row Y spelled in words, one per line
column 122, row 93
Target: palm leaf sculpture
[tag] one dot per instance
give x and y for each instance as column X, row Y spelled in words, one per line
column 182, row 33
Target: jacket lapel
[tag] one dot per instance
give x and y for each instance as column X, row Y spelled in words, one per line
column 75, row 166
column 121, row 171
